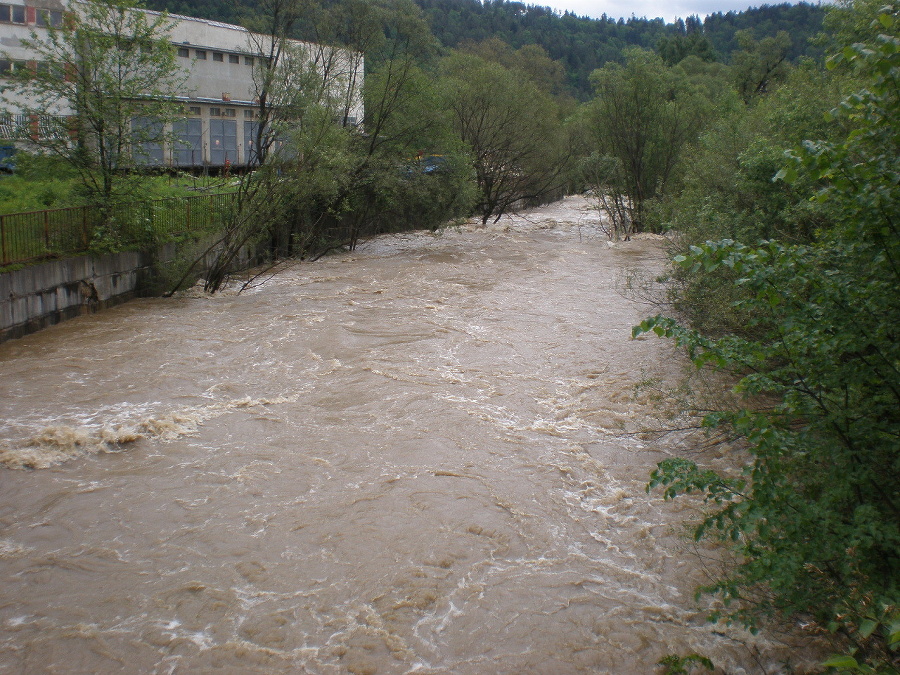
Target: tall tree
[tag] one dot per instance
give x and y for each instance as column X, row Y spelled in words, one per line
column 759, row 64
column 511, row 128
column 108, row 65
column 330, row 182
column 403, row 121
column 304, row 92
column 642, row 118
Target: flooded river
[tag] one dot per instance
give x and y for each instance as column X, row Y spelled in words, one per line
column 421, row 457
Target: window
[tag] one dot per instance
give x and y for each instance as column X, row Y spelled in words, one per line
column 249, row 114
column 218, row 56
column 234, row 58
column 12, row 13
column 49, row 17
column 200, row 54
column 222, row 142
column 15, row 126
column 47, row 70
column 146, row 141
column 187, row 150
column 194, row 110
column 8, row 67
column 52, row 126
column 230, row 112
column 184, row 52
column 248, row 60
column 215, row 112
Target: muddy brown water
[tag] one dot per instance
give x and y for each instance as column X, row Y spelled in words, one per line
column 421, row 457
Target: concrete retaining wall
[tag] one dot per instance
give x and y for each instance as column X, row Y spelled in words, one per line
column 42, row 295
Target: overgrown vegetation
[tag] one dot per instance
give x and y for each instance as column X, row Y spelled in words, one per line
column 809, row 273
column 44, row 182
column 330, row 183
column 640, row 122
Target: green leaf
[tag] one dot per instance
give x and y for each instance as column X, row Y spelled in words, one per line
column 867, row 627
column 894, row 635
column 788, row 174
column 841, row 661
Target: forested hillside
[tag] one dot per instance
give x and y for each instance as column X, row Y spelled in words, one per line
column 581, row 44
column 584, row 44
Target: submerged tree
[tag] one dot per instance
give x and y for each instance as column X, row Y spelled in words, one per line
column 323, row 178
column 639, row 123
column 407, row 169
column 104, row 84
column 301, row 164
column 511, row 129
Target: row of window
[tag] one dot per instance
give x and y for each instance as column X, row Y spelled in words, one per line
column 43, row 17
column 203, row 55
column 196, row 111
column 41, row 67
column 21, row 127
column 194, row 144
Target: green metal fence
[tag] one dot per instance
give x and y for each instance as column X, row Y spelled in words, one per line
column 38, row 235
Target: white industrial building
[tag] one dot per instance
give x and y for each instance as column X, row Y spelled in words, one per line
column 220, row 106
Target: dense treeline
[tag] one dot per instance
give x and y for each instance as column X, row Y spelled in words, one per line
column 583, row 44
column 786, row 274
column 580, row 44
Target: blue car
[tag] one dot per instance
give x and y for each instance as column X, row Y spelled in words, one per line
column 7, row 158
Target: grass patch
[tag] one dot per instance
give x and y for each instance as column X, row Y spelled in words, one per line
column 47, row 183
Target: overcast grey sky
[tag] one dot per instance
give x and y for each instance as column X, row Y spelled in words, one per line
column 667, row 9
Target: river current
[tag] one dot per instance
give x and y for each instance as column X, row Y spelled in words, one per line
column 425, row 456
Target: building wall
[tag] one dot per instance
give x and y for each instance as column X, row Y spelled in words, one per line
column 220, row 95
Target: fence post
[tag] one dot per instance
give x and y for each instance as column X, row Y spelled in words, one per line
column 47, row 230
column 84, row 227
column 3, row 239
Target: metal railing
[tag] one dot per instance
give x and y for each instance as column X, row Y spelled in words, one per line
column 38, row 235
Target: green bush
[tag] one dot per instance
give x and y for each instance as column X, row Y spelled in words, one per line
column 815, row 515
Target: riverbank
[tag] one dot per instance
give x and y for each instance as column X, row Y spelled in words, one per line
column 428, row 455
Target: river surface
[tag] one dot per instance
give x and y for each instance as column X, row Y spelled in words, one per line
column 425, row 456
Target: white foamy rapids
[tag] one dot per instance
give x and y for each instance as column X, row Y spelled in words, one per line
column 56, row 444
